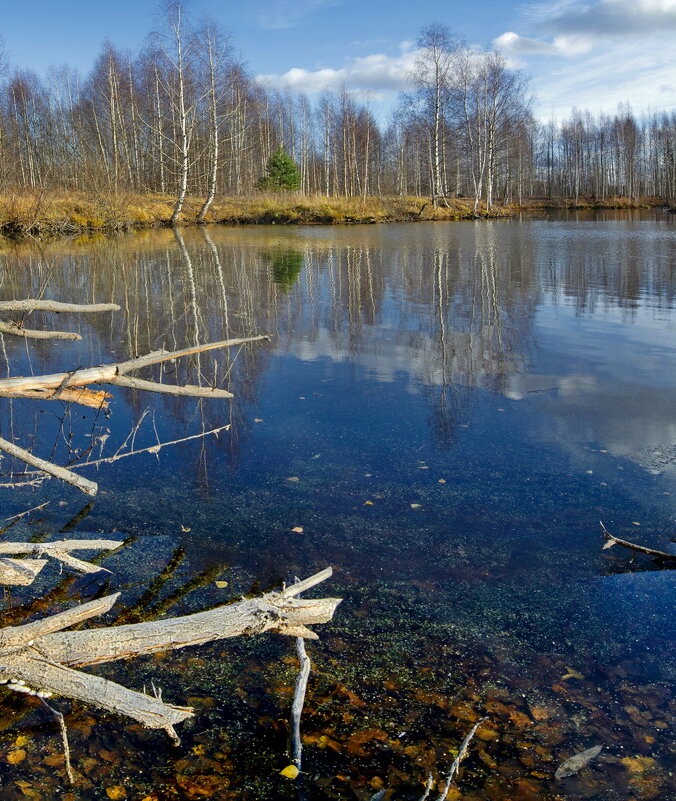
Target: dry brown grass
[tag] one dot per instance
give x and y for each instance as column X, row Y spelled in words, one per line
column 58, row 213
column 588, row 202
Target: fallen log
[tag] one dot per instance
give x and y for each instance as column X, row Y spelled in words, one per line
column 611, row 540
column 39, row 657
column 28, row 333
column 57, row 679
column 55, row 306
column 82, row 483
column 108, row 372
column 275, row 611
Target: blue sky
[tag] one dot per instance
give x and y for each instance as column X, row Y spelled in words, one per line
column 591, row 54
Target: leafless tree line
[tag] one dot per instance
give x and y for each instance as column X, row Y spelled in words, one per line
column 183, row 117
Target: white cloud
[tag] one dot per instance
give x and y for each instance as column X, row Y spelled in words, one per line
column 511, row 42
column 599, row 53
column 611, row 76
column 607, row 18
column 378, row 72
column 600, row 19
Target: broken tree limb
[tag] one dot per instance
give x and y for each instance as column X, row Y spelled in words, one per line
column 13, row 637
column 55, row 306
column 274, row 611
column 154, row 449
column 61, row 680
column 93, row 398
column 108, row 372
column 40, row 655
column 271, row 612
column 60, row 550
column 611, row 540
column 169, row 389
column 64, row 737
column 82, row 483
column 298, row 702
column 27, row 512
column 151, row 448
column 20, row 572
column 57, row 547
column 28, row 333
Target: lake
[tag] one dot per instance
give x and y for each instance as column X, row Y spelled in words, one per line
column 447, row 411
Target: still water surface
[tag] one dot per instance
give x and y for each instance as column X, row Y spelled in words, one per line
column 447, row 411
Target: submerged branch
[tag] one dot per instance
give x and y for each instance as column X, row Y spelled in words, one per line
column 462, row 753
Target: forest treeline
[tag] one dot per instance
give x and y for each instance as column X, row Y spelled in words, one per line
column 184, row 118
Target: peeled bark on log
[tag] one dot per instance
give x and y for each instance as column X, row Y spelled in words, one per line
column 93, row 398
column 42, row 658
column 28, row 333
column 83, row 484
column 55, row 306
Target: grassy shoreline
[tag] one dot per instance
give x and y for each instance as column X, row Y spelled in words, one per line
column 40, row 214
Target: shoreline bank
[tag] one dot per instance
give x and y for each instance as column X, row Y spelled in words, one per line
column 68, row 214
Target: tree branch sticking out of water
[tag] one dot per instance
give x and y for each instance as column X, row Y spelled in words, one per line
column 41, row 655
column 71, row 387
column 611, row 540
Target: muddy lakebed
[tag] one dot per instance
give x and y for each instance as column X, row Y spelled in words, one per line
column 444, row 413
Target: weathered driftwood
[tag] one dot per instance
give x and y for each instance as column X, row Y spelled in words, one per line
column 108, row 372
column 298, row 702
column 83, row 396
column 611, row 540
column 20, row 572
column 42, row 655
column 59, row 550
column 70, row 386
column 54, row 306
column 82, row 483
column 17, row 330
column 169, row 389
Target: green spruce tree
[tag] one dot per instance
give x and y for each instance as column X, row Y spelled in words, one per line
column 281, row 173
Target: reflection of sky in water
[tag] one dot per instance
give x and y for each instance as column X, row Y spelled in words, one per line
column 460, row 404
column 521, row 363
